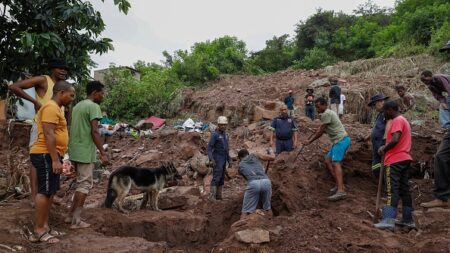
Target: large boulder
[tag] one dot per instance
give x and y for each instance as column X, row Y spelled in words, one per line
column 436, row 219
column 150, row 157
column 261, row 113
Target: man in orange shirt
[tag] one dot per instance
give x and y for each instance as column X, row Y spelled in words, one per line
column 45, row 155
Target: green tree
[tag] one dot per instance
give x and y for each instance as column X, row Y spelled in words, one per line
column 277, row 55
column 315, row 58
column 225, row 55
column 34, row 31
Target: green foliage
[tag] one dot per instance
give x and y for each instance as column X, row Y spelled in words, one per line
column 35, row 31
column 314, row 58
column 156, row 93
column 413, row 27
column 277, row 55
column 225, row 55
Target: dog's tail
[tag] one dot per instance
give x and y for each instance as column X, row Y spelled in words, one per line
column 111, row 194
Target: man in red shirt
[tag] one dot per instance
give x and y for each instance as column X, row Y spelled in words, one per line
column 397, row 160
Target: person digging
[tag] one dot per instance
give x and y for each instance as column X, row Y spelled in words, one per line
column 397, row 159
column 341, row 142
column 218, row 154
column 259, row 187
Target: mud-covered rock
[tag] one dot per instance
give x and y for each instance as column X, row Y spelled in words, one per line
column 178, row 197
column 255, row 235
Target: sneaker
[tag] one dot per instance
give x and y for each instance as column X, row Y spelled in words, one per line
column 337, row 196
column 435, row 203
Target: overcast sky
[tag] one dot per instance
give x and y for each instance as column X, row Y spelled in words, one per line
column 152, row 26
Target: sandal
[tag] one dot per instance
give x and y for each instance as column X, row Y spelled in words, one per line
column 45, row 237
column 80, row 224
column 55, row 232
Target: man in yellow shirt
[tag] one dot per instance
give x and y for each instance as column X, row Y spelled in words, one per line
column 44, row 92
column 45, row 155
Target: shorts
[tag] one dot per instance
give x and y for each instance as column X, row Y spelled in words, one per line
column 338, row 150
column 33, row 134
column 335, row 108
column 256, row 191
column 85, row 176
column 48, row 182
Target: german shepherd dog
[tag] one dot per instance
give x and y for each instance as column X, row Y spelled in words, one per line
column 149, row 180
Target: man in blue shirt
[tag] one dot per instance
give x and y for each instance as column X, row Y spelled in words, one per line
column 289, row 102
column 285, row 131
column 218, row 156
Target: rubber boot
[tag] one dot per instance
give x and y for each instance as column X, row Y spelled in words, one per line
column 407, row 219
column 219, row 193
column 213, row 193
column 388, row 219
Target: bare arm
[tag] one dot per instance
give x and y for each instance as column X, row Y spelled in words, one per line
column 318, row 134
column 50, row 140
column 38, row 82
column 97, row 141
column 265, row 157
column 394, row 141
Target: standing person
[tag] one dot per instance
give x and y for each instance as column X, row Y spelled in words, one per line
column 335, row 95
column 341, row 142
column 406, row 101
column 84, row 140
column 289, row 102
column 378, row 130
column 284, row 131
column 259, row 187
column 445, row 69
column 440, row 84
column 218, row 154
column 342, row 106
column 310, row 110
column 43, row 86
column 397, row 159
column 46, row 156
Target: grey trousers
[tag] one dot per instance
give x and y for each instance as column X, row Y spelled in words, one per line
column 442, row 170
column 257, row 190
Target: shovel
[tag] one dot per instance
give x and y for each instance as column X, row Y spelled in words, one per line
column 299, row 152
column 380, row 184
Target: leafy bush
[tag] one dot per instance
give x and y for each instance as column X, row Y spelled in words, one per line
column 130, row 99
column 314, row 58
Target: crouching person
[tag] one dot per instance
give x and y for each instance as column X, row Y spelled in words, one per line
column 259, row 188
column 397, row 159
column 45, row 155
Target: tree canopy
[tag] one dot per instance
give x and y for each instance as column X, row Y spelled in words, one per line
column 34, row 31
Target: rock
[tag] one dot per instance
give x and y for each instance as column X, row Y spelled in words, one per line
column 261, row 113
column 437, row 219
column 149, row 157
column 270, row 105
column 116, row 150
column 256, row 235
column 199, row 163
column 188, row 151
column 249, row 144
column 179, row 196
column 253, row 126
column 320, row 83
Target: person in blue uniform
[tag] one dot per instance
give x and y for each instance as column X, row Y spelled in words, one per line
column 284, row 131
column 218, row 154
